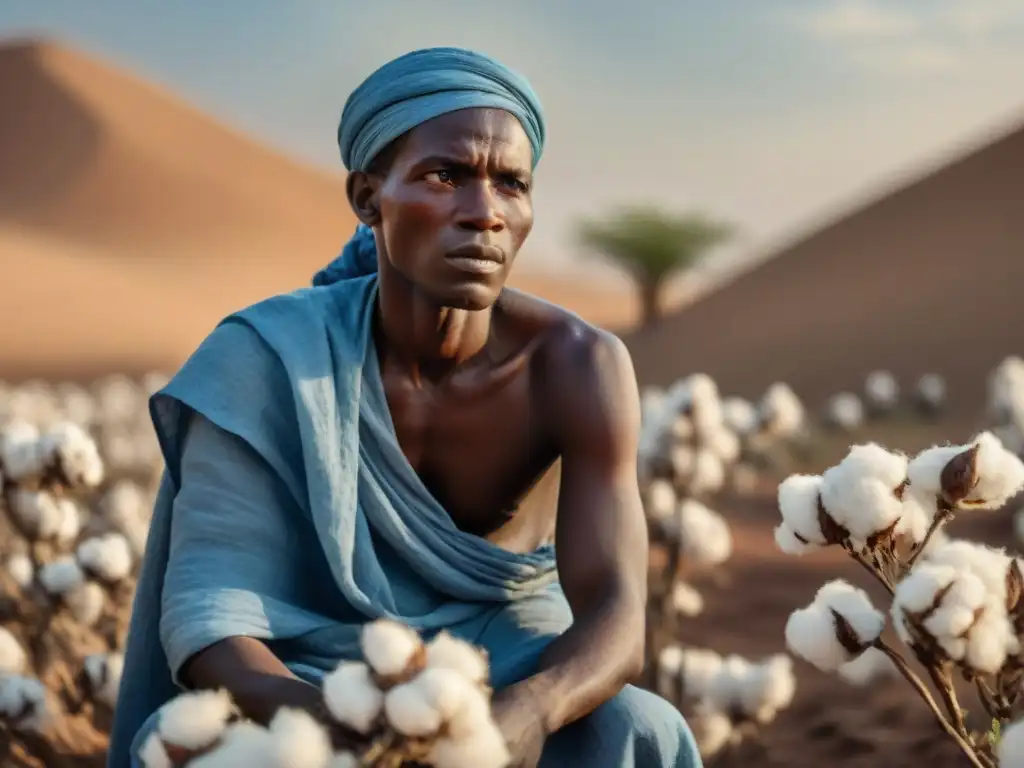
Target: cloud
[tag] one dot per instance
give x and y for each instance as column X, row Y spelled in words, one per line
column 919, row 38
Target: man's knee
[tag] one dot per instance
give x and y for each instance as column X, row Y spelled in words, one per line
column 655, row 729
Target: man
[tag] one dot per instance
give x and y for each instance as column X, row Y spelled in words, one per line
column 401, row 440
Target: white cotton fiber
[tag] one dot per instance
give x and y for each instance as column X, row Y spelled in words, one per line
column 108, row 557
column 352, row 697
column 298, row 741
column 389, row 647
column 103, row 670
column 196, row 719
column 61, row 576
column 798, row 502
column 13, row 659
column 452, row 653
column 860, row 492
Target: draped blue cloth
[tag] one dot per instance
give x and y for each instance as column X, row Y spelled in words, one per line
column 296, row 377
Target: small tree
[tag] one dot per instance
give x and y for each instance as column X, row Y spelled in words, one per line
column 652, row 245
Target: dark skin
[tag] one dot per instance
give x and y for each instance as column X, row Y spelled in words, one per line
column 520, row 418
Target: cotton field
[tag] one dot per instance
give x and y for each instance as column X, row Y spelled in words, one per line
column 781, row 590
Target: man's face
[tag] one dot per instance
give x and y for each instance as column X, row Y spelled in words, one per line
column 456, row 205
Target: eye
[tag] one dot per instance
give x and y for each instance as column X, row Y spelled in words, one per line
column 514, row 182
column 442, row 176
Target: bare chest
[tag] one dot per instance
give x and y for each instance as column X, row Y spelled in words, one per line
column 483, row 453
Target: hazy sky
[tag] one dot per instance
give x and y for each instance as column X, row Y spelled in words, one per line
column 769, row 113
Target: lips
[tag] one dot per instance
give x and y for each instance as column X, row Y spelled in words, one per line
column 477, row 252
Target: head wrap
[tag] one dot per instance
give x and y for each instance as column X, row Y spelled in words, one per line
column 407, row 92
column 425, row 84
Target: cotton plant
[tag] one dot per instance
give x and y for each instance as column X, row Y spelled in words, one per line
column 403, row 701
column 955, row 605
column 845, row 411
column 930, row 394
column 881, row 392
column 697, row 540
column 731, row 696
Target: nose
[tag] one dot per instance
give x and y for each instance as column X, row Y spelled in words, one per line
column 477, row 209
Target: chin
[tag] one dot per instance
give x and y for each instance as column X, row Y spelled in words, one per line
column 470, row 297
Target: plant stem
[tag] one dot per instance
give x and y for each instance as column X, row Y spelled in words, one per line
column 925, row 694
column 940, row 518
column 882, row 579
column 944, row 685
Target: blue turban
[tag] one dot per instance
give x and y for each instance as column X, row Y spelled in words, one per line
column 407, row 92
column 425, row 84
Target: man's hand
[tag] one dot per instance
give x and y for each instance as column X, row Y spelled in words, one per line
column 519, row 718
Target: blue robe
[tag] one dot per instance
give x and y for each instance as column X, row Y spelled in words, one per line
column 289, row 513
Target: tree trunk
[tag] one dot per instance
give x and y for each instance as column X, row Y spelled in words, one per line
column 650, row 302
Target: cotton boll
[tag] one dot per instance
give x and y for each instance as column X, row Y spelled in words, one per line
column 153, row 754
column 411, row 710
column 767, row 688
column 739, row 415
column 931, row 391
column 242, row 744
column 343, row 760
column 1010, row 749
column 925, row 470
column 789, row 543
column 128, row 509
column 660, row 500
column 882, row 390
column 13, row 659
column 85, row 603
column 991, row 640
column 712, row 730
column 870, row 666
column 21, row 570
column 75, row 453
column 389, row 647
column 781, row 412
column 20, row 455
column 683, row 460
column 854, row 605
column 725, row 688
column 108, row 557
column 1000, row 474
column 39, row 513
column 845, row 411
column 485, row 748
column 723, row 443
column 988, row 564
column 798, row 498
column 704, row 537
column 860, row 493
column 61, row 576
column 24, row 704
column 70, row 524
column 298, row 741
column 697, row 668
column 352, row 697
column 919, row 509
column 670, row 660
column 195, row 720
column 950, row 622
column 449, row 652
column 811, row 635
column 917, row 592
column 103, row 671
column 681, row 428
column 686, row 601
column 708, row 473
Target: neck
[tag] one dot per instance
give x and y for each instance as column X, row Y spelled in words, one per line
column 424, row 336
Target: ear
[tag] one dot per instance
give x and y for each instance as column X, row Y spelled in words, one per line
column 362, row 189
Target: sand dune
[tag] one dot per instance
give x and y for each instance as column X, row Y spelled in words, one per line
column 927, row 278
column 147, row 220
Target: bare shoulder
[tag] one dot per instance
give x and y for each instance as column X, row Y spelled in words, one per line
column 583, row 375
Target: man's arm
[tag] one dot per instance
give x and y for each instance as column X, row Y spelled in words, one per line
column 592, row 403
